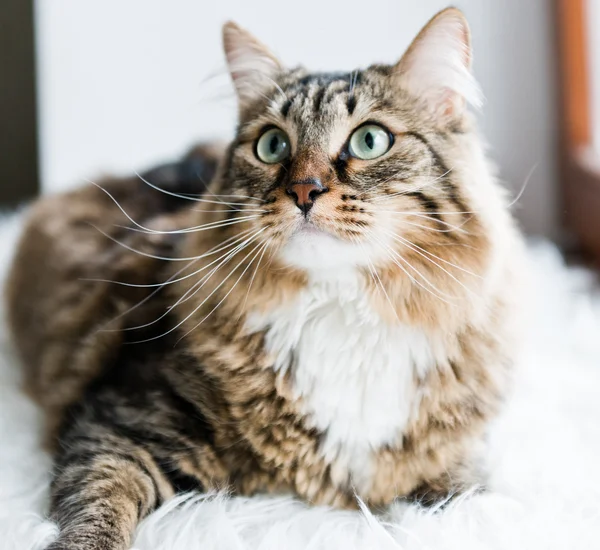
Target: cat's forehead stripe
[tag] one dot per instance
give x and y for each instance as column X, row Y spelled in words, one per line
column 317, row 89
column 318, row 99
column 324, row 79
column 286, row 107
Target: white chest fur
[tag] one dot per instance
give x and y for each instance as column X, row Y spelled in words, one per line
column 353, row 372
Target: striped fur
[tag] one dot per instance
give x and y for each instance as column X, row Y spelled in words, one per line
column 360, row 347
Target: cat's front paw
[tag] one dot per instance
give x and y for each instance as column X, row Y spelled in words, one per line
column 85, row 543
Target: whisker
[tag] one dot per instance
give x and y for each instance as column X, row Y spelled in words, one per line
column 243, row 308
column 255, row 90
column 153, row 231
column 380, row 183
column 195, row 229
column 193, row 289
column 157, row 290
column 415, row 281
column 411, row 189
column 180, row 196
column 227, row 211
column 470, row 291
column 524, row 186
column 220, row 197
column 195, row 310
column 196, row 287
column 195, row 195
column 429, row 228
column 377, row 280
column 399, row 238
column 277, row 86
column 171, row 280
column 510, row 205
column 353, row 79
column 140, row 252
column 271, row 256
column 393, row 254
column 264, row 245
column 183, row 299
column 141, row 302
column 453, row 227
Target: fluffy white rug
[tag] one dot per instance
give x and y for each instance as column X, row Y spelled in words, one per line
column 545, row 451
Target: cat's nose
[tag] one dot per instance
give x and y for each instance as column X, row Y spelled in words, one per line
column 305, row 192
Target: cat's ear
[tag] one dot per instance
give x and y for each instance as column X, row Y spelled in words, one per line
column 436, row 68
column 251, row 64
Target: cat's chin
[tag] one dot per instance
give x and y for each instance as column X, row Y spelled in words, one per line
column 313, row 249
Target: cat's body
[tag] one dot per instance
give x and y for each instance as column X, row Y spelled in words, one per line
column 357, row 341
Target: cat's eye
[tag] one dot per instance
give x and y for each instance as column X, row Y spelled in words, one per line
column 273, row 146
column 369, row 142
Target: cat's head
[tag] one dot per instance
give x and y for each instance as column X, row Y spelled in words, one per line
column 362, row 169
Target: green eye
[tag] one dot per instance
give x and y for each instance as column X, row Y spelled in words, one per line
column 369, row 142
column 273, row 146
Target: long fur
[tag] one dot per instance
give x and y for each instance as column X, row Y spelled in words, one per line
column 527, row 506
column 343, row 327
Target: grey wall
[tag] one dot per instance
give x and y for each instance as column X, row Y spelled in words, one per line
column 122, row 82
column 18, row 133
column 516, row 66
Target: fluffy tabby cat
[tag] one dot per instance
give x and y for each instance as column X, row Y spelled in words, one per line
column 333, row 317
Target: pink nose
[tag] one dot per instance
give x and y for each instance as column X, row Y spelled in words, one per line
column 305, row 192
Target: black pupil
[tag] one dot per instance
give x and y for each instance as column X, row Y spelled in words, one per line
column 274, row 145
column 369, row 140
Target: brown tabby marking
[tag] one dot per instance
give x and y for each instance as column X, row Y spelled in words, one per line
column 165, row 386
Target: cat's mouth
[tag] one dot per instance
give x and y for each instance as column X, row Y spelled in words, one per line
column 308, row 229
column 314, row 248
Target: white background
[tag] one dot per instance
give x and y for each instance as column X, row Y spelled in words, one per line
column 123, row 82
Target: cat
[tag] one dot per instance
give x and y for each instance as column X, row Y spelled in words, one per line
column 326, row 307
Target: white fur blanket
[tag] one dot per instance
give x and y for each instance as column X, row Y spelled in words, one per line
column 544, row 457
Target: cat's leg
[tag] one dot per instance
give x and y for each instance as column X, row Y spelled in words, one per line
column 469, row 476
column 104, row 485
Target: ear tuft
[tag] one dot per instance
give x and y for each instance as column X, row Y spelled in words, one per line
column 251, row 64
column 437, row 65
